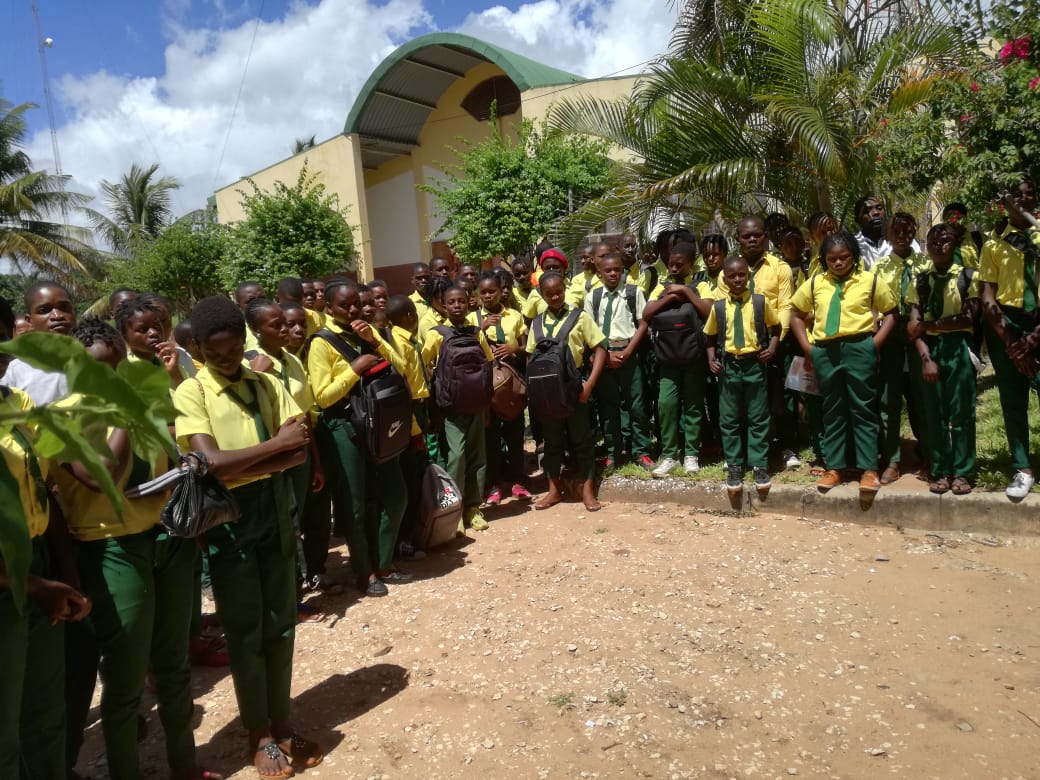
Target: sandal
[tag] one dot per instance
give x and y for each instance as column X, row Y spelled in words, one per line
column 276, row 756
column 939, row 485
column 301, row 751
column 890, row 474
column 960, row 486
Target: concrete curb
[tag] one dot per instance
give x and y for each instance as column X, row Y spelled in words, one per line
column 978, row 513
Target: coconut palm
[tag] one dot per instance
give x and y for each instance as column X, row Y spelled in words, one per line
column 139, row 207
column 303, row 144
column 763, row 105
column 30, row 202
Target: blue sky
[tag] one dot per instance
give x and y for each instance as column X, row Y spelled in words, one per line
column 156, row 80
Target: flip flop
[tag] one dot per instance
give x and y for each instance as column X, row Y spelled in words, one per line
column 960, row 486
column 301, row 751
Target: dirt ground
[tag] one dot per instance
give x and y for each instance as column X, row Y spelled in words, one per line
column 653, row 641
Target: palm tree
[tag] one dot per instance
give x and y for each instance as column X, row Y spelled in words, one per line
column 303, row 144
column 763, row 105
column 29, row 203
column 140, row 207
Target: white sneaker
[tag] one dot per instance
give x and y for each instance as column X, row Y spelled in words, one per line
column 1020, row 486
column 665, row 467
column 690, row 464
column 791, row 460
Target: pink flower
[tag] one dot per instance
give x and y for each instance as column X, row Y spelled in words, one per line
column 974, row 86
column 884, row 122
column 1017, row 49
column 965, row 117
column 1005, row 52
column 1033, row 84
column 1021, row 48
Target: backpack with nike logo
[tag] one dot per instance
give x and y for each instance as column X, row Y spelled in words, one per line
column 553, row 380
column 379, row 407
column 462, row 377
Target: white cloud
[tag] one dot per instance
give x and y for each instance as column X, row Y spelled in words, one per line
column 304, row 72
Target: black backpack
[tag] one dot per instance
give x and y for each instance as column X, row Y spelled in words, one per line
column 553, row 380
column 923, row 284
column 758, row 312
column 462, row 378
column 677, row 334
column 379, row 407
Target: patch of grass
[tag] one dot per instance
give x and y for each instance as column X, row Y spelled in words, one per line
column 563, row 701
column 618, row 697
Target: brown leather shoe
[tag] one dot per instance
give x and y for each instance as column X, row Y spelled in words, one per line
column 869, row 482
column 831, row 478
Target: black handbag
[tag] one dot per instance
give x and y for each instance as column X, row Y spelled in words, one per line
column 199, row 502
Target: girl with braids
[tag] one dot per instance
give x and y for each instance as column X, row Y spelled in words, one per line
column 143, row 324
column 251, row 431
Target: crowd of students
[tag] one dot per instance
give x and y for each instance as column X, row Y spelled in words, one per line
column 666, row 355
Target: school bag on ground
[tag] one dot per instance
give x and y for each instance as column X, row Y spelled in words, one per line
column 509, row 391
column 677, row 334
column 379, row 407
column 440, row 509
column 462, row 377
column 553, row 380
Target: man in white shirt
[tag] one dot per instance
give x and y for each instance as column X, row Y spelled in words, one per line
column 873, row 231
column 50, row 310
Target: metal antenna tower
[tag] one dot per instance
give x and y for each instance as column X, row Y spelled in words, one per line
column 42, row 44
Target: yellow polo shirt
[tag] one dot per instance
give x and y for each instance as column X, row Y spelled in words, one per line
column 580, row 286
column 743, row 308
column 411, row 351
column 969, row 253
column 709, row 285
column 509, row 331
column 1003, row 265
column 421, row 306
column 953, row 304
column 289, row 370
column 584, row 335
column 330, row 373
column 431, row 349
column 623, row 323
column 205, row 406
column 666, row 282
column 534, row 304
column 898, row 273
column 857, row 303
column 315, row 321
column 772, row 279
column 19, row 462
column 430, row 320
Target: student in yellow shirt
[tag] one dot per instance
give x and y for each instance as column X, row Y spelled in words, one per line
column 944, row 305
column 1009, row 269
column 573, row 432
column 585, row 280
column 550, row 260
column 296, row 325
column 504, row 439
column 140, row 580
column 420, row 281
column 290, row 288
column 32, row 648
column 463, row 427
column 251, row 431
column 435, row 314
column 139, row 322
column 739, row 349
column 522, row 287
column 311, row 516
column 372, row 495
column 897, row 270
column 845, row 350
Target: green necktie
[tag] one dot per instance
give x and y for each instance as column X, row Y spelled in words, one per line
column 738, row 323
column 833, row 323
column 609, row 313
column 500, row 335
column 937, row 296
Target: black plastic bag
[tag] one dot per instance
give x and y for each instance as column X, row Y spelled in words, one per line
column 199, row 502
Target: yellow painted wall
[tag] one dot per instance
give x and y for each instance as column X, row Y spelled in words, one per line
column 336, row 163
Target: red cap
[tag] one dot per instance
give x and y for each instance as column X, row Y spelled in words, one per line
column 553, row 253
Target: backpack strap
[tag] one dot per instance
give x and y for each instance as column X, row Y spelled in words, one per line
column 758, row 308
column 923, row 286
column 720, row 321
column 654, row 276
column 338, row 343
column 538, row 326
column 568, row 326
column 630, row 299
column 597, row 298
column 964, row 282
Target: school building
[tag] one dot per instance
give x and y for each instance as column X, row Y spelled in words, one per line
column 415, row 106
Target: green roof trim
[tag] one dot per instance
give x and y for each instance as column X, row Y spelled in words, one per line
column 524, row 72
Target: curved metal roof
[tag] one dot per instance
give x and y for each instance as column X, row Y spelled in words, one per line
column 394, row 104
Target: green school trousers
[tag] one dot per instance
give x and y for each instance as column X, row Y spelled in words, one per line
column 252, row 565
column 1014, row 389
column 32, row 698
column 504, row 446
column 370, row 497
column 847, row 371
column 949, row 435
column 141, row 586
column 744, row 411
column 573, row 434
column 467, row 456
column 680, row 405
column 620, row 389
